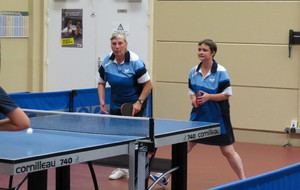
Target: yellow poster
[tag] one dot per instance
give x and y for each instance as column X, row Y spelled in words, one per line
column 67, row 41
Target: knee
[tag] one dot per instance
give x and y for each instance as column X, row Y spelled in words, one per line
column 228, row 152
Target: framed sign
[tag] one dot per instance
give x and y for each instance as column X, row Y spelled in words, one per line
column 14, row 24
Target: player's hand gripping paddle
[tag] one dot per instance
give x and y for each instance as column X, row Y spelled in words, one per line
column 126, row 109
column 198, row 94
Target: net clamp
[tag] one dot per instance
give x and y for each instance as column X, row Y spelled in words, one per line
column 146, row 146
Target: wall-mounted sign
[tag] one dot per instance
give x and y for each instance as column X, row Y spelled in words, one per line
column 14, row 24
column 72, row 31
column 121, row 27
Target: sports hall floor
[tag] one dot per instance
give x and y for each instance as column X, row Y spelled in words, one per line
column 207, row 168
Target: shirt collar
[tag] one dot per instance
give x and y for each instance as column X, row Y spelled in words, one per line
column 213, row 68
column 127, row 57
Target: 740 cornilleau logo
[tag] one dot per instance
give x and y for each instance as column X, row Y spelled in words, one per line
column 203, row 134
column 43, row 165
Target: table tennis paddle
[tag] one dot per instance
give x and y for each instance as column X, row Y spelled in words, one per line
column 126, row 109
column 198, row 94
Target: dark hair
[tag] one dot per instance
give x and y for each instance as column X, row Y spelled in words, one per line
column 211, row 44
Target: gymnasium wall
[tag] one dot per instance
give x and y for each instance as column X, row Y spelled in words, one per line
column 252, row 39
column 22, row 58
column 9, row 61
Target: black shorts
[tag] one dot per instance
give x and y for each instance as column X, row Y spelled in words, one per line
column 220, row 140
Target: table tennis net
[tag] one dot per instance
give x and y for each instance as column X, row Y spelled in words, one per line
column 88, row 123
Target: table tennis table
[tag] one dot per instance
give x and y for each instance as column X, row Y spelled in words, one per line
column 60, row 139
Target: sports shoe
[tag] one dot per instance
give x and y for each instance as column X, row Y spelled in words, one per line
column 163, row 182
column 119, row 173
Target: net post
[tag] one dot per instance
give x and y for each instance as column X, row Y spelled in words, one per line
column 151, row 136
column 72, row 94
column 151, row 129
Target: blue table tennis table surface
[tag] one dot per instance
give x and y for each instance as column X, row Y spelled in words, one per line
column 65, row 144
column 22, row 148
column 63, row 139
column 20, row 145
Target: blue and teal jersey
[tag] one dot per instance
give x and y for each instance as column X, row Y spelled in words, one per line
column 216, row 81
column 126, row 79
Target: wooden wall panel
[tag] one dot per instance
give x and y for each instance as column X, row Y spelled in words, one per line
column 263, row 109
column 174, row 61
column 14, row 65
column 227, row 21
column 172, row 101
column 14, row 5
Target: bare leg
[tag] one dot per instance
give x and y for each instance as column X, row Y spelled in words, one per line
column 234, row 160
